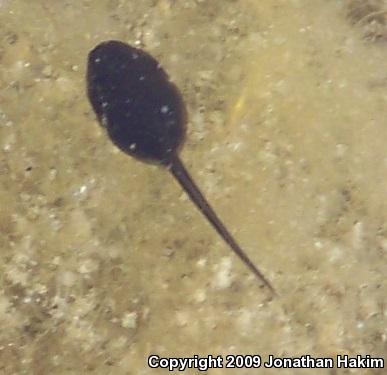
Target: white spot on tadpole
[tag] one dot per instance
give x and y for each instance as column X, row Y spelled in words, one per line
column 97, row 60
column 104, row 121
column 132, row 147
column 164, row 109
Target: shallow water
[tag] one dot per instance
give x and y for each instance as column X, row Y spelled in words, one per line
column 104, row 260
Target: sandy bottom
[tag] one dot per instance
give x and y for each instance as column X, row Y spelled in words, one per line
column 103, row 259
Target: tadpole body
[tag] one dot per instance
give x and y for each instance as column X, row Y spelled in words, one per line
column 145, row 116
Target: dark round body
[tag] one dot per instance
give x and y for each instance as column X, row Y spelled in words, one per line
column 134, row 99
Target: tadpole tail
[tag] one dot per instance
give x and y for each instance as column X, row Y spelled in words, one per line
column 179, row 171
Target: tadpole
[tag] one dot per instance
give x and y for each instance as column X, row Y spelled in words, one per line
column 145, row 117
